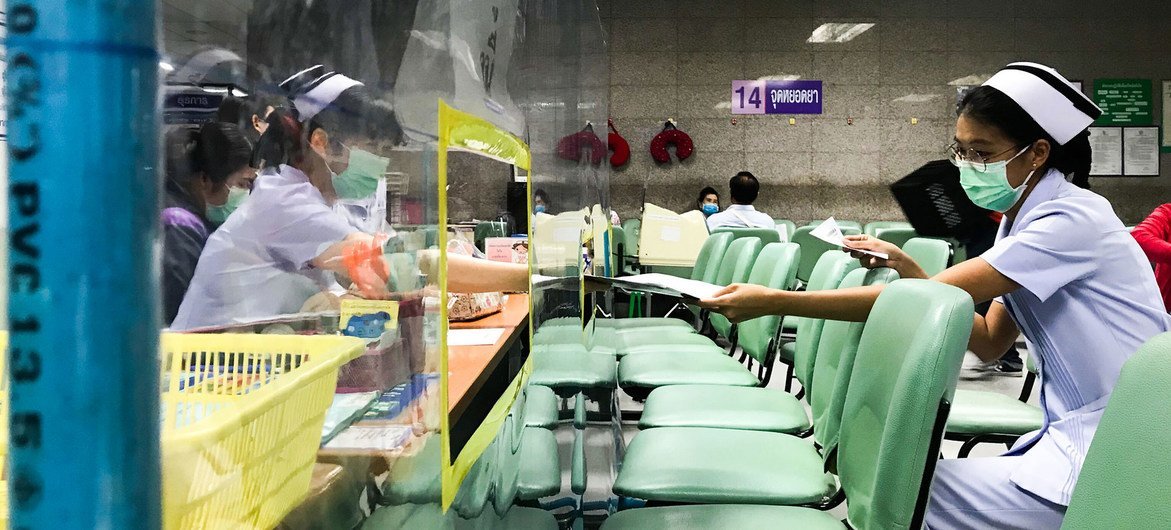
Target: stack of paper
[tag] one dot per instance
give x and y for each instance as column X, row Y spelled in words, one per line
column 670, row 239
column 663, row 284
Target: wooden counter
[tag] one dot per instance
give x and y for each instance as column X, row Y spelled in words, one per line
column 470, row 366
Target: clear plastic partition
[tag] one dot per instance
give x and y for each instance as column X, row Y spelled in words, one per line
column 344, row 206
column 560, row 84
column 356, row 178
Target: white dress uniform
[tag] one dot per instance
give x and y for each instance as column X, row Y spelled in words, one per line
column 1088, row 300
column 256, row 264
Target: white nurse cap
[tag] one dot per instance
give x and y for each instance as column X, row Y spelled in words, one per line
column 1050, row 99
column 313, row 89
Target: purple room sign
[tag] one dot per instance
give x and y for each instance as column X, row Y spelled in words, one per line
column 776, row 97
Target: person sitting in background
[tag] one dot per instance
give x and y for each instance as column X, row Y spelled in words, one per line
column 1154, row 236
column 708, row 201
column 541, row 202
column 203, row 166
column 744, row 187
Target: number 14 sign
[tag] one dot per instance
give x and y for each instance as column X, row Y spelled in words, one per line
column 776, row 97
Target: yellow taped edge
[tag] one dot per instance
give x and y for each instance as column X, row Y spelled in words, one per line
column 462, row 131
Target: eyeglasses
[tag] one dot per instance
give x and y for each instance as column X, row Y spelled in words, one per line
column 956, row 154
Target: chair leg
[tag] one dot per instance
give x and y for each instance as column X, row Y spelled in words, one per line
column 968, row 445
column 789, row 378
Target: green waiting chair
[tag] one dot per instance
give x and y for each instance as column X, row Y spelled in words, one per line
column 734, row 267
column 872, row 228
column 487, row 229
column 892, row 425
column 749, row 408
column 1123, row 483
column 933, row 255
column 665, row 364
column 788, row 225
column 898, row 236
column 984, row 416
column 707, row 267
column 812, row 249
column 833, row 363
column 766, row 235
column 829, row 271
column 852, row 225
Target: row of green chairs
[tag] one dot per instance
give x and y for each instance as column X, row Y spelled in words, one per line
column 889, row 439
column 899, row 387
column 521, row 464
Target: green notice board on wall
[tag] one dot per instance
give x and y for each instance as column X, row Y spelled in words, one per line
column 1124, row 101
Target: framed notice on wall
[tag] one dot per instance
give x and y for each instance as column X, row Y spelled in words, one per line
column 1166, row 115
column 1124, row 101
column 1140, row 151
column 1106, row 143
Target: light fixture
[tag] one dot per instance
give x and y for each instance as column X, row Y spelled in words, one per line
column 166, row 67
column 838, row 31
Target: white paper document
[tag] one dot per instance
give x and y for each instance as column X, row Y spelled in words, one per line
column 829, row 232
column 378, row 437
column 474, row 337
column 664, row 284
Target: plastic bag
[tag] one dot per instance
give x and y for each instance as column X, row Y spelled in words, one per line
column 470, row 306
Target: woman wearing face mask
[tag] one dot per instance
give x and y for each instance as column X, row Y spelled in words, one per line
column 541, row 202
column 273, row 253
column 200, row 167
column 708, row 201
column 1064, row 271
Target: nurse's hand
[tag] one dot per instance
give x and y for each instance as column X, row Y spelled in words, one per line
column 739, row 302
column 897, row 259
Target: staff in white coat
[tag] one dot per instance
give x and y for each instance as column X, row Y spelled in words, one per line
column 1064, row 272
column 280, row 247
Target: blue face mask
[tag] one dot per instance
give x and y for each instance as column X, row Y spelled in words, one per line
column 540, row 208
column 710, row 209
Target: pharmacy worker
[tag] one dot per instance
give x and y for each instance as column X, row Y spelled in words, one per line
column 278, row 248
column 1064, row 271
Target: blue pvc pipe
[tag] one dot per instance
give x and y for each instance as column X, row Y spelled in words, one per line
column 82, row 86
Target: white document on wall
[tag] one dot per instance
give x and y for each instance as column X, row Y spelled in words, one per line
column 1106, row 144
column 831, row 233
column 1140, row 151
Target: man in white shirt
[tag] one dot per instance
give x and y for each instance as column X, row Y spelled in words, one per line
column 744, row 187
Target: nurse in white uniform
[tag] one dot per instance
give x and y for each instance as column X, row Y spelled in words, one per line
column 276, row 250
column 1064, row 271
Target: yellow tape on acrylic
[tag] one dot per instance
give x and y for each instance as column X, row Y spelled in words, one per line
column 464, row 132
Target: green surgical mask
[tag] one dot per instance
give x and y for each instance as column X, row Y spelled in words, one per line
column 219, row 214
column 361, row 176
column 989, row 189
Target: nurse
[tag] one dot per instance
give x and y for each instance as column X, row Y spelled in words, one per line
column 278, row 249
column 1064, row 271
column 284, row 243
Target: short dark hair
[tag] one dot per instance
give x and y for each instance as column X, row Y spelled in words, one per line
column 744, row 187
column 707, row 190
column 993, row 108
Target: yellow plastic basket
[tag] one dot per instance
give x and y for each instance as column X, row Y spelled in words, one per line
column 241, row 423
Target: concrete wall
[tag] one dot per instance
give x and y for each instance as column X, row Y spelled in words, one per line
column 676, row 59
